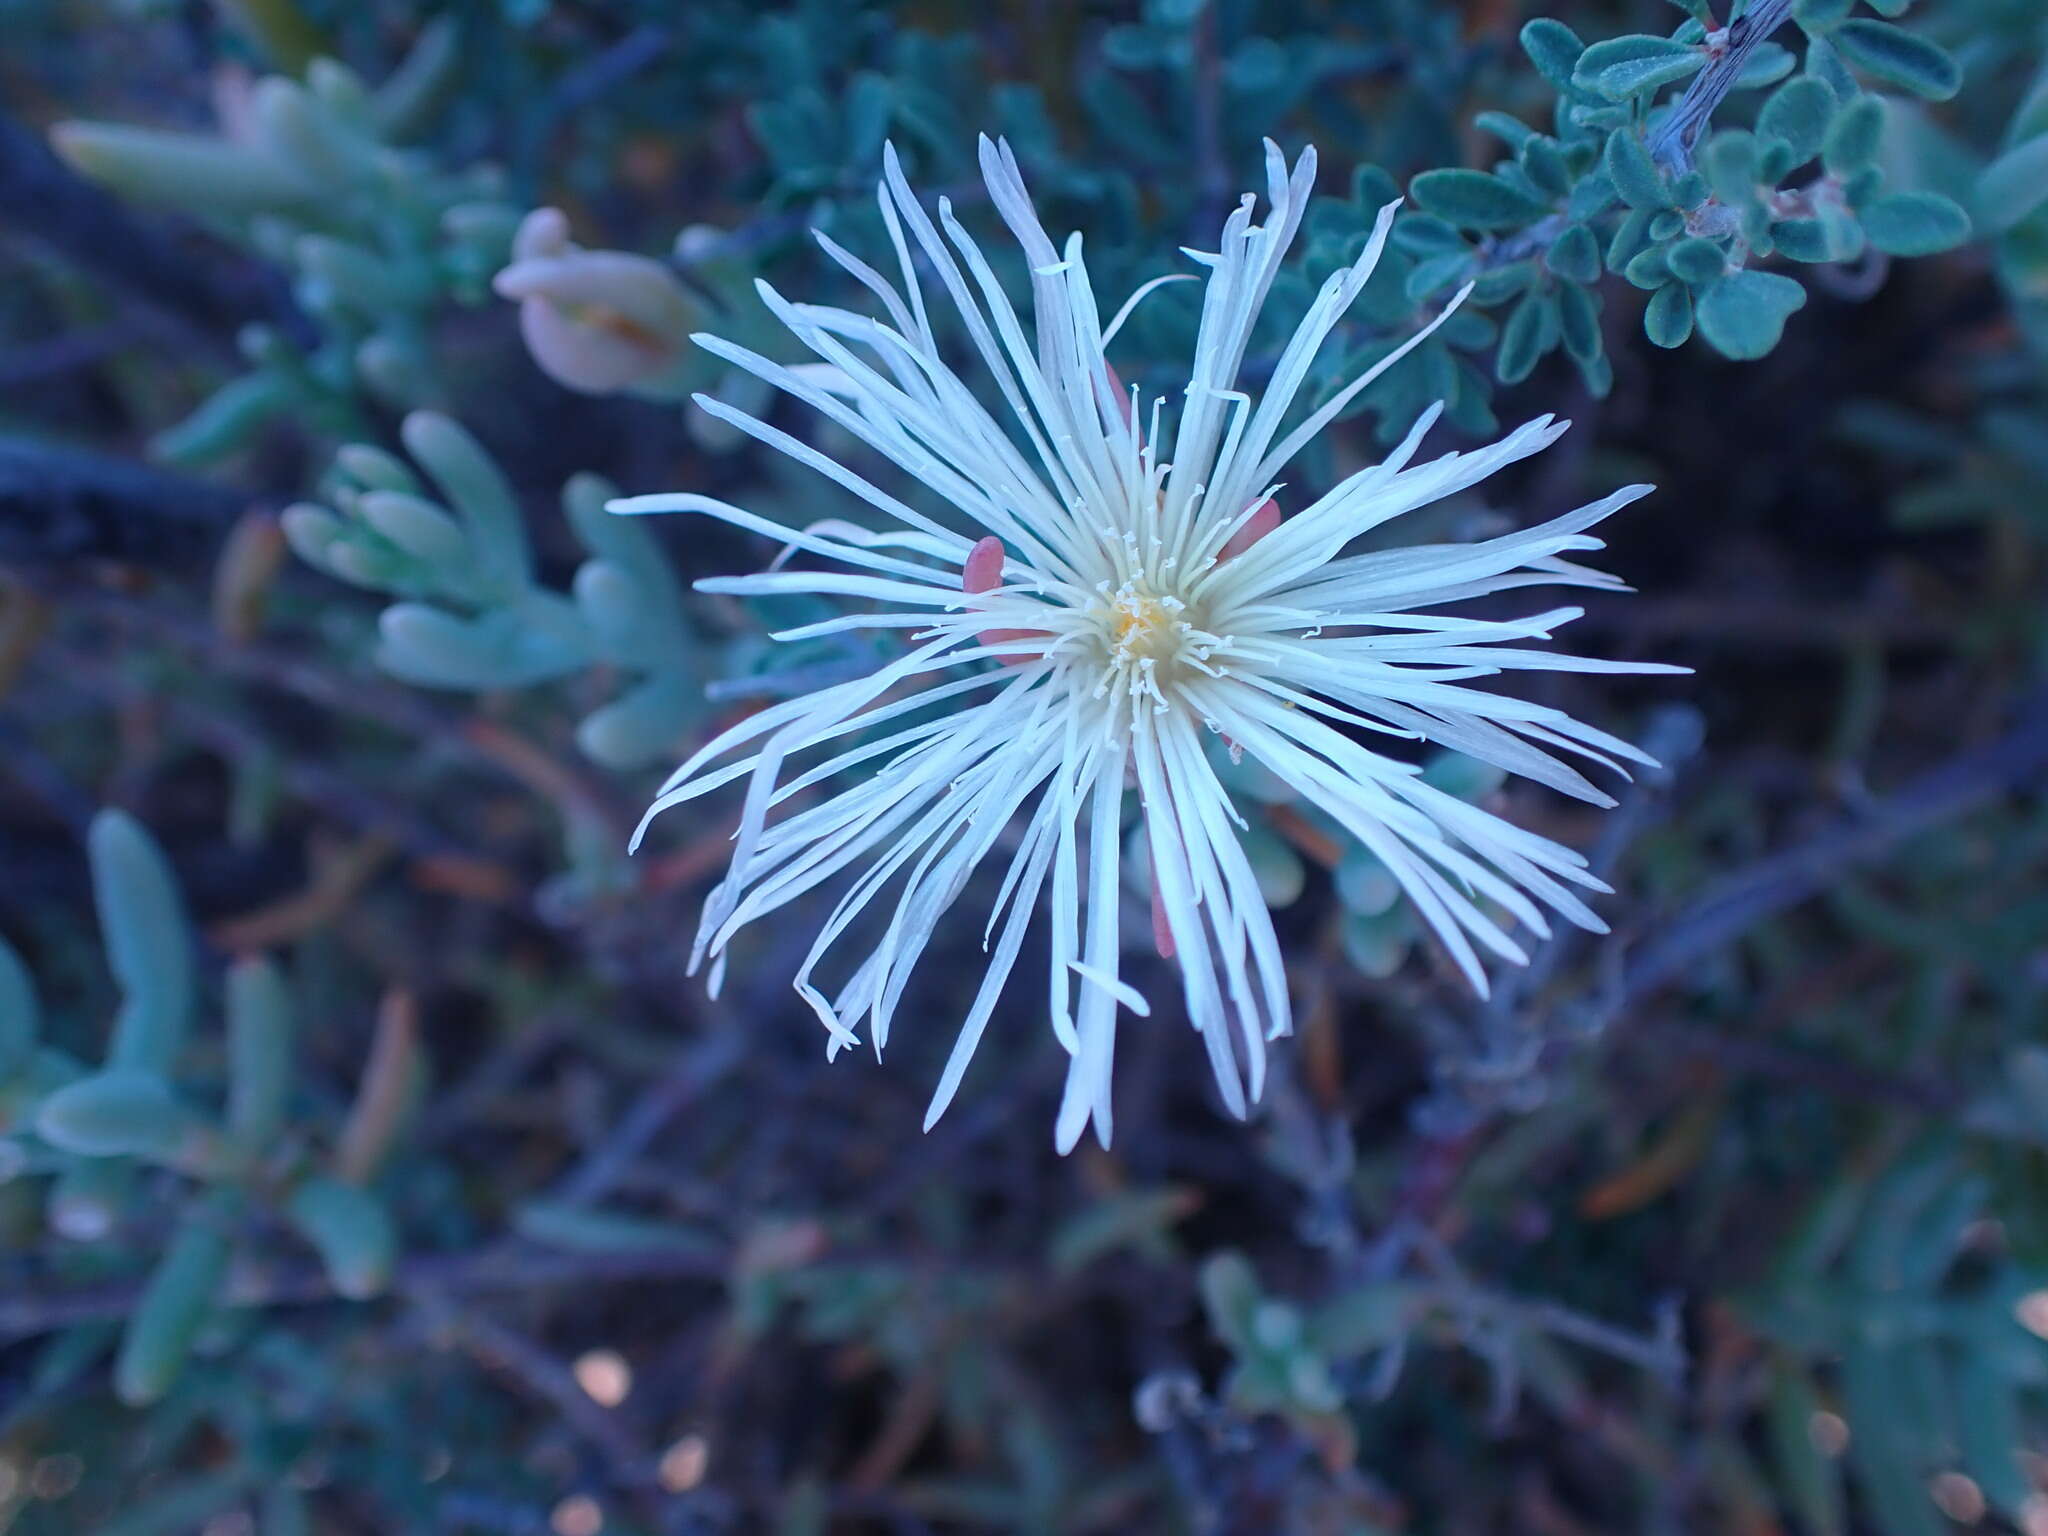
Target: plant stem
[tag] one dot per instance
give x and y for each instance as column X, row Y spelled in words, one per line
column 1672, row 144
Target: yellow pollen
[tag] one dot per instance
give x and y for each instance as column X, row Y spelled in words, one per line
column 1142, row 625
column 1138, row 618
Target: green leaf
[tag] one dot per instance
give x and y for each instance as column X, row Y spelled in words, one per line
column 1593, row 196
column 1543, row 163
column 2013, row 185
column 1511, row 131
column 1230, row 1296
column 1649, row 268
column 1578, row 317
column 359, row 278
column 1899, row 57
column 259, row 1052
column 477, row 489
column 1377, row 945
column 312, row 532
column 1863, row 187
column 1275, row 865
column 226, row 420
column 174, row 1303
column 1474, row 200
column 117, row 1113
column 175, row 1506
column 1598, row 374
column 642, row 725
column 1798, row 113
column 1574, row 254
column 1667, row 319
column 1138, row 1219
column 1915, row 223
column 20, row 1019
column 1421, row 234
column 531, row 642
column 1802, row 239
column 1852, row 138
column 1813, row 1480
column 1696, row 261
column 1363, row 1318
column 421, row 529
column 1436, row 273
column 1729, row 161
column 1743, row 314
column 571, row 1228
column 284, row 1512
column 2026, row 1066
column 1553, row 48
column 1889, row 1437
column 372, row 469
column 304, row 133
column 1466, row 778
column 1523, row 338
column 1630, row 236
column 624, row 627
column 1990, row 1431
column 1621, row 67
column 149, row 943
column 869, row 104
column 1888, row 1243
column 197, row 172
column 351, row 1231
column 1499, row 284
column 406, row 100
column 1821, row 15
column 1767, row 64
column 1824, row 63
column 1634, row 173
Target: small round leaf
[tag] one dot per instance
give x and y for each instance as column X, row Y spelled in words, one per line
column 1743, row 314
column 1633, row 172
column 1621, row 67
column 1915, row 223
column 1899, row 57
column 1667, row 320
column 1852, row 138
column 1798, row 114
column 1474, row 200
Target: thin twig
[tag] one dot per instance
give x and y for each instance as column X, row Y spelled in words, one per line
column 508, row 1268
column 1671, row 146
column 1673, row 737
column 336, row 793
column 58, row 504
column 694, row 1072
column 1739, row 903
column 66, row 353
column 400, row 710
column 610, row 68
column 546, row 1377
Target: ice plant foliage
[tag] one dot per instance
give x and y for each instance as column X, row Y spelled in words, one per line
column 1127, row 562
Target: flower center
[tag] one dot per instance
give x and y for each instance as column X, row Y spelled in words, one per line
column 1142, row 625
column 1137, row 618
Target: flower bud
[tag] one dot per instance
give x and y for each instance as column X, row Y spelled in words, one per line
column 595, row 321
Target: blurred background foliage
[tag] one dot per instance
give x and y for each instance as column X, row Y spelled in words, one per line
column 366, row 1162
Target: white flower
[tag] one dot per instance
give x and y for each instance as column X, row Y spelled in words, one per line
column 1127, row 562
